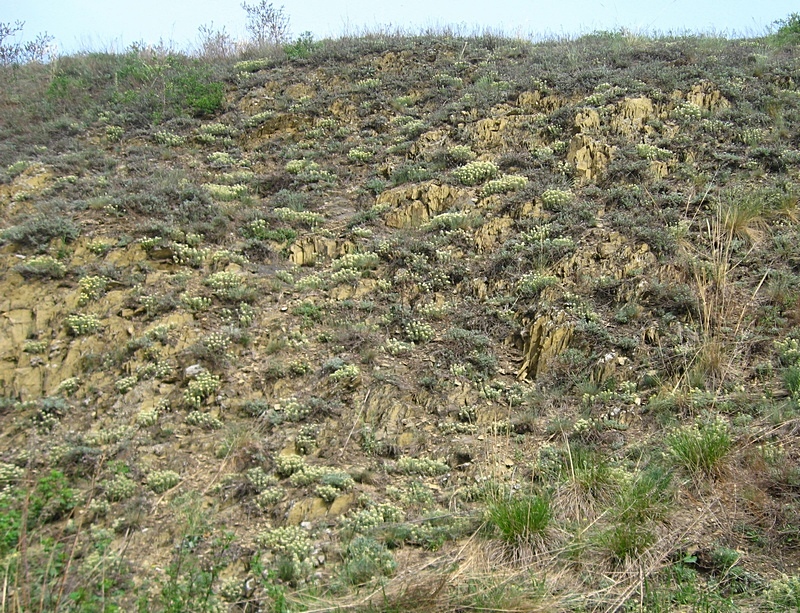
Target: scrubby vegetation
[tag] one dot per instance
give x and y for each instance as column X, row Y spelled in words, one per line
column 402, row 323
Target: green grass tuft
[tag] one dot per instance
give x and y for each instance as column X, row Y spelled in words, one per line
column 521, row 520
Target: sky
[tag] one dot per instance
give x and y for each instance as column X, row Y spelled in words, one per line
column 113, row 25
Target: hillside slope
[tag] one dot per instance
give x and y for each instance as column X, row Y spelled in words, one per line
column 407, row 324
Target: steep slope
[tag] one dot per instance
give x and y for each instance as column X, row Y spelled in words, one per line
column 403, row 324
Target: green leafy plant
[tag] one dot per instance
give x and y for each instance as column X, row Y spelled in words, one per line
column 788, row 31
column 302, row 47
column 200, row 555
column 194, row 90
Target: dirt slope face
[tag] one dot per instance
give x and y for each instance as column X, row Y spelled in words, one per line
column 409, row 324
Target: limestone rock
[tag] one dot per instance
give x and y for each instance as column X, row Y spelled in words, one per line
column 306, row 510
column 350, row 292
column 707, row 97
column 17, row 325
column 631, row 115
column 535, row 101
column 428, row 143
column 306, row 251
column 604, row 253
column 492, row 232
column 25, row 383
column 341, row 504
column 413, row 206
column 611, row 366
column 287, row 123
column 504, row 132
column 32, row 180
column 601, row 253
column 589, row 156
column 544, row 339
column 659, row 168
column 391, row 62
column 386, row 409
column 587, row 120
column 344, row 111
column 260, row 99
column 489, row 132
column 300, row 90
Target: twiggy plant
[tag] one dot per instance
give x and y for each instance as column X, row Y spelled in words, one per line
column 267, row 25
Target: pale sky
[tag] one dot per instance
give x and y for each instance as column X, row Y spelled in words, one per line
column 112, row 25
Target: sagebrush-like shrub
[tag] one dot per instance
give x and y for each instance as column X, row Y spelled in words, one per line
column 37, row 232
column 366, row 558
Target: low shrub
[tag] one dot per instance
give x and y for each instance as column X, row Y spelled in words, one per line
column 38, row 231
column 41, row 266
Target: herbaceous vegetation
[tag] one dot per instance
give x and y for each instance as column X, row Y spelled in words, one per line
column 409, row 322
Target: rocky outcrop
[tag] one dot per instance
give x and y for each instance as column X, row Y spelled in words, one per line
column 589, row 157
column 537, row 102
column 631, row 115
column 505, row 132
column 508, row 127
column 587, row 120
column 306, row 251
column 412, row 207
column 285, row 123
column 492, row 233
column 601, row 254
column 604, row 253
column 544, row 339
column 15, row 196
column 428, row 143
column 707, row 97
